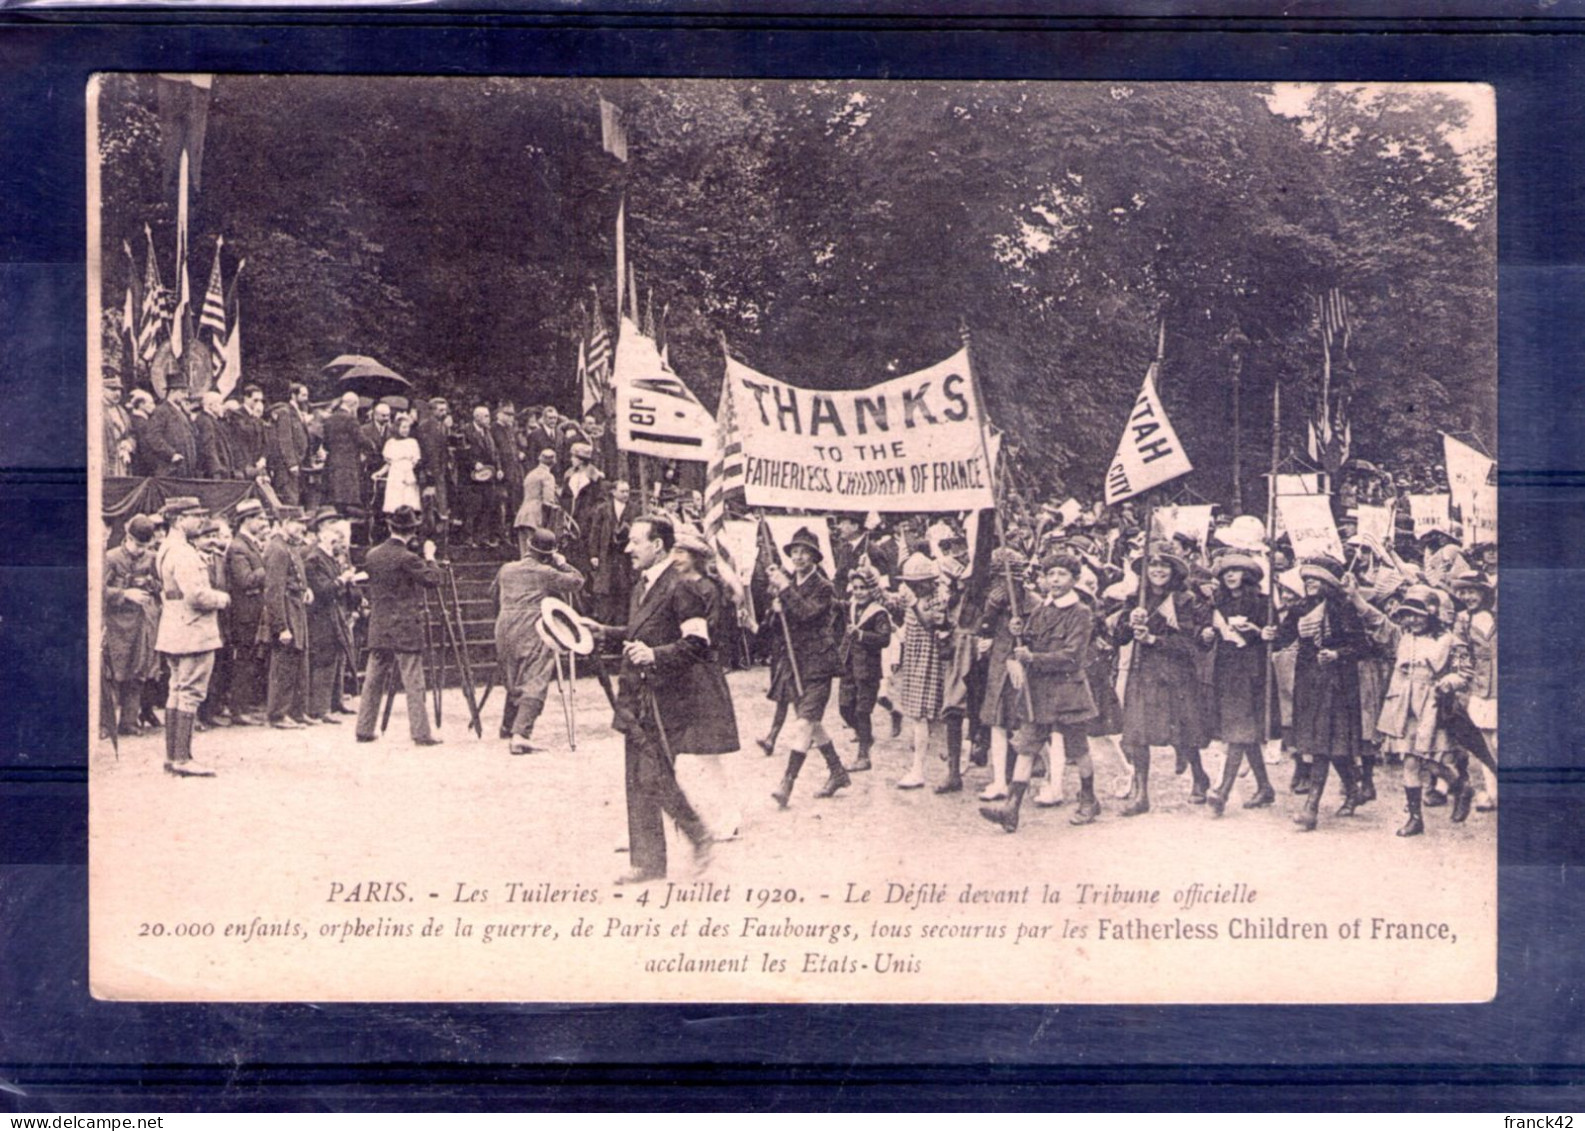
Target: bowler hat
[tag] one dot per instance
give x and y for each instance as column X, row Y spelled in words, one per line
column 404, row 520
column 541, row 542
column 804, row 537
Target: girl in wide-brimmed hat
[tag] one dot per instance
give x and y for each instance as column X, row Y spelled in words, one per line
column 1431, row 663
column 1326, row 729
column 1238, row 675
column 1162, row 704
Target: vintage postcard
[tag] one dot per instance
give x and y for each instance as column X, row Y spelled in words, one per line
column 792, row 541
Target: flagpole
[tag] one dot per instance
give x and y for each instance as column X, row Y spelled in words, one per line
column 996, row 502
column 621, row 258
column 1271, row 547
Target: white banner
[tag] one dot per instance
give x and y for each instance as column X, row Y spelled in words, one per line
column 1149, row 453
column 1308, row 521
column 910, row 444
column 1194, row 523
column 1480, row 517
column 1429, row 513
column 1467, row 470
column 656, row 414
column 1376, row 522
column 1309, row 484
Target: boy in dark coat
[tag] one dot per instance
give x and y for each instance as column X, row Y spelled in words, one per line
column 868, row 632
column 1054, row 656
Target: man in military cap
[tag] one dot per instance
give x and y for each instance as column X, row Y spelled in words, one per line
column 189, row 632
column 117, row 444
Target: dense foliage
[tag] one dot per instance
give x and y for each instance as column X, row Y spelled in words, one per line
column 838, row 232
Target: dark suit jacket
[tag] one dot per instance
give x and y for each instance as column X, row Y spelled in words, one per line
column 809, row 606
column 289, row 440
column 434, row 461
column 510, row 459
column 321, row 572
column 249, row 443
column 167, row 434
column 343, row 459
column 398, row 576
column 214, row 448
column 478, row 450
column 245, row 581
column 695, row 709
column 284, row 586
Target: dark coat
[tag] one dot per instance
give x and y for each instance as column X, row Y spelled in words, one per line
column 131, row 622
column 1163, row 704
column 1238, row 675
column 343, row 459
column 695, row 706
column 245, row 582
column 478, row 451
column 322, row 573
column 167, row 434
column 859, row 655
column 1059, row 643
column 214, row 448
column 398, row 576
column 714, row 731
column 1326, row 711
column 249, row 437
column 995, row 619
column 812, row 624
column 434, row 463
column 284, row 586
column 606, row 538
column 289, row 442
column 143, row 462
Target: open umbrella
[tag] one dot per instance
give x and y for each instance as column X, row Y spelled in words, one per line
column 367, row 377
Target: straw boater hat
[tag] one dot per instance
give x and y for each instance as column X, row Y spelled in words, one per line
column 180, row 505
column 1236, row 560
column 322, row 516
column 247, row 508
column 918, row 567
column 565, row 627
column 1324, row 569
column 804, row 537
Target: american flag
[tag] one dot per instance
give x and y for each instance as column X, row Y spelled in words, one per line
column 597, row 374
column 724, row 477
column 214, row 313
column 152, row 316
column 1334, row 319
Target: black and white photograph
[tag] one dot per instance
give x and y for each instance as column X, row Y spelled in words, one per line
column 792, row 541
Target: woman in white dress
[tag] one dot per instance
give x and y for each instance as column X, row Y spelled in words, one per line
column 401, row 468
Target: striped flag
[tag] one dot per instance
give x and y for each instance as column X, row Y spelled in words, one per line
column 152, row 317
column 1330, row 434
column 227, row 358
column 592, row 393
column 724, row 480
column 1334, row 319
column 597, row 379
column 213, row 316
